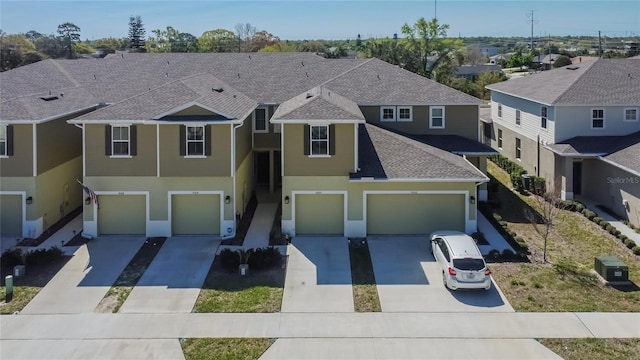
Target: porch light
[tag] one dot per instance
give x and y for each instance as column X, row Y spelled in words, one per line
column 472, row 199
column 87, row 200
column 286, row 199
column 29, row 200
column 227, row 199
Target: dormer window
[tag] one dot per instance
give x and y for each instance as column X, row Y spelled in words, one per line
column 260, row 120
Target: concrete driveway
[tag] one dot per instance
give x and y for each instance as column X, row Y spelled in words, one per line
column 409, row 279
column 172, row 282
column 80, row 285
column 318, row 276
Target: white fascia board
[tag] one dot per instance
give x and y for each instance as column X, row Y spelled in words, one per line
column 526, row 98
column 188, row 105
column 471, row 180
column 154, row 122
column 319, row 122
column 629, row 170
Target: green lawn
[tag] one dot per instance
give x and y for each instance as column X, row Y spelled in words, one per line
column 224, row 348
column 21, row 297
column 365, row 291
column 566, row 282
column 587, row 349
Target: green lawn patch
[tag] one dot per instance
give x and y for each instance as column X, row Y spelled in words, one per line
column 365, row 291
column 591, row 348
column 118, row 293
column 260, row 291
column 224, row 348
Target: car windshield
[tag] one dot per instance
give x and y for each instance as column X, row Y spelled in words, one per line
column 468, row 264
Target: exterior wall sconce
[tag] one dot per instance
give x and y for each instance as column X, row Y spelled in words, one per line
column 286, row 199
column 87, row 200
column 29, row 200
column 472, row 199
column 227, row 199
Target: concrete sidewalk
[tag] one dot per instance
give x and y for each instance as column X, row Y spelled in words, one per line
column 258, row 233
column 80, row 285
column 614, row 221
column 495, row 239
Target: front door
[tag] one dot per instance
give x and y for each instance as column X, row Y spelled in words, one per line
column 262, row 167
column 577, row 178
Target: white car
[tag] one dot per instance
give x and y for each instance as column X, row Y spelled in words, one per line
column 462, row 264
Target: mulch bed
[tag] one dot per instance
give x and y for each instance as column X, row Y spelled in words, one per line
column 141, row 260
column 77, row 240
column 35, row 275
column 51, row 230
column 245, row 222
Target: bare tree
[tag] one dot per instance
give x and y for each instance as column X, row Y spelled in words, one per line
column 542, row 218
column 245, row 33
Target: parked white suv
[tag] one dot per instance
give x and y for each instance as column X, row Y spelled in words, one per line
column 462, row 264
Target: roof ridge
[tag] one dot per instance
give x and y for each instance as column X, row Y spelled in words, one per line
column 346, row 72
column 589, row 65
column 66, row 73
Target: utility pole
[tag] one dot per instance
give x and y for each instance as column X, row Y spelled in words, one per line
column 435, row 9
column 532, row 21
column 599, row 44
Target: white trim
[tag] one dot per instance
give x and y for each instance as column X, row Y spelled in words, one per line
column 157, row 150
column 431, row 126
column 266, row 120
column 629, row 170
column 6, row 140
column 35, row 149
column 624, row 114
column 355, row 147
column 23, row 201
column 292, row 231
column 188, row 105
column 149, row 122
column 282, row 152
column 468, row 224
column 84, row 152
column 203, row 141
column 398, row 108
column 113, row 141
column 383, row 108
column 370, row 179
column 327, row 141
column 310, row 121
column 604, row 116
column 195, row 192
column 545, row 117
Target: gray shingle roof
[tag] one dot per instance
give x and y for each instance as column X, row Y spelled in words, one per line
column 319, row 103
column 385, row 155
column 600, row 82
column 477, row 69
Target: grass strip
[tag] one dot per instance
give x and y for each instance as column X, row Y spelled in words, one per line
column 592, row 348
column 365, row 291
column 224, row 348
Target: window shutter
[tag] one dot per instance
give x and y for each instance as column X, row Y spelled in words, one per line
column 332, row 139
column 107, row 140
column 207, row 140
column 183, row 140
column 307, row 130
column 133, row 140
column 9, row 140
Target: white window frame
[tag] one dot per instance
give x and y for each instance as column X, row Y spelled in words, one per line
column 312, row 141
column 544, row 116
column 518, row 117
column 187, row 141
column 266, row 120
column 3, row 141
column 518, row 149
column 624, row 114
column 114, row 141
column 400, row 108
column 431, row 117
column 499, row 138
column 499, row 111
column 597, row 118
column 383, row 108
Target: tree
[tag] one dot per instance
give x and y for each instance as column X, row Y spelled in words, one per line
column 358, row 41
column 427, row 41
column 218, row 40
column 70, row 34
column 51, row 46
column 184, row 42
column 261, row 39
column 561, row 61
column 245, row 32
column 279, row 47
column 518, row 60
column 136, row 34
column 33, row 35
column 13, row 50
column 542, row 219
column 488, row 78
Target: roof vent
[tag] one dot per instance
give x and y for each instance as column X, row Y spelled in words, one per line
column 573, row 67
column 302, row 62
column 309, row 95
column 49, row 98
column 218, row 89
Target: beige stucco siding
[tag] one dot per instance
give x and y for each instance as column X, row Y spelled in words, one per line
column 194, row 110
column 174, row 164
column 57, row 192
column 58, row 142
column 11, row 215
column 21, row 162
column 195, row 214
column 414, row 213
column 269, row 140
column 244, row 184
column 319, row 214
column 99, row 164
column 122, row 214
column 243, row 142
column 296, row 163
column 459, row 120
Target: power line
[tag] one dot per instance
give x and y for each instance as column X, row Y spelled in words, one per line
column 532, row 21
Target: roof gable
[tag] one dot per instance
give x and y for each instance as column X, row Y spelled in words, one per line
column 318, row 103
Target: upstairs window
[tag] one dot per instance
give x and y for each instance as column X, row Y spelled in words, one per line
column 396, row 113
column 597, row 118
column 4, row 130
column 436, row 117
column 500, row 111
column 499, row 138
column 631, row 114
column 518, row 149
column 517, row 117
column 260, row 120
column 320, row 140
column 195, row 141
column 405, row 113
column 120, row 140
column 543, row 117
column 387, row 113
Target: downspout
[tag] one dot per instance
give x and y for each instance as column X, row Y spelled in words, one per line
column 86, row 236
column 233, row 178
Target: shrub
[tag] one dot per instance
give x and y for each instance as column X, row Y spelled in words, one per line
column 597, row 220
column 264, row 258
column 507, row 253
column 502, row 223
column 43, row 256
column 630, row 243
column 608, row 227
column 498, row 218
column 615, row 232
column 589, row 214
column 229, row 260
column 623, row 238
column 636, row 250
column 12, row 257
column 494, row 255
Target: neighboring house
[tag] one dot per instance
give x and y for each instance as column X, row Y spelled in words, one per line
column 177, row 143
column 499, row 58
column 472, row 72
column 484, row 49
column 578, row 127
column 545, row 62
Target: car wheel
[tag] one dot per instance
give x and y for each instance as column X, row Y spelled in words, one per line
column 444, row 280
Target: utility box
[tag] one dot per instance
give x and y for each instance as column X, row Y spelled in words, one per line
column 611, row 268
column 18, row 270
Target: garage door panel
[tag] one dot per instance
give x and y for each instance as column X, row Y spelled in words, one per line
column 11, row 215
column 319, row 214
column 122, row 215
column 414, row 213
column 195, row 214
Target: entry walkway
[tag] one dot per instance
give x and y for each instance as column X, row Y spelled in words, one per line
column 59, row 238
column 495, row 239
column 614, row 221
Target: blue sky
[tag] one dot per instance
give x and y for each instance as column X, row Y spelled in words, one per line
column 297, row 20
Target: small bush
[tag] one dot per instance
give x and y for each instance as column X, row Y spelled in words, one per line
column 12, row 257
column 630, row 244
column 537, row 285
column 615, row 232
column 502, row 223
column 498, row 218
column 589, row 214
column 597, row 220
column 623, row 238
column 229, row 260
column 507, row 253
column 264, row 258
column 636, row 250
column 608, row 227
column 494, row 255
column 43, row 256
column 515, row 282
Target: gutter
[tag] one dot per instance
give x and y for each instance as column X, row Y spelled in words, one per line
column 233, row 179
